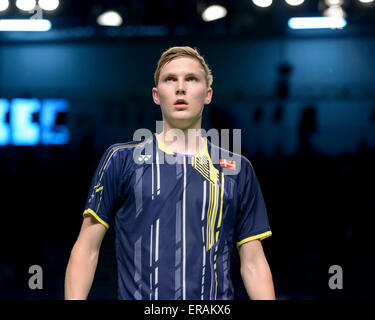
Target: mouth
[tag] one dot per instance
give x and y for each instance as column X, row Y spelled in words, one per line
column 180, row 103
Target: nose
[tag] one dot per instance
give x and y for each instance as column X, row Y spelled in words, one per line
column 180, row 89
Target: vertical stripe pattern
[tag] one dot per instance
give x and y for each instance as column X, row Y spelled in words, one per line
column 178, row 253
column 154, row 259
column 152, row 182
column 184, row 236
column 138, row 267
column 151, row 247
column 138, row 191
column 226, row 269
column 203, row 238
column 156, row 276
column 157, row 174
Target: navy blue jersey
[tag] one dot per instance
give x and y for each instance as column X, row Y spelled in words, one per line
column 176, row 223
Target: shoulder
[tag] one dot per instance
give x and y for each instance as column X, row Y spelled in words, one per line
column 237, row 163
column 126, row 147
column 122, row 154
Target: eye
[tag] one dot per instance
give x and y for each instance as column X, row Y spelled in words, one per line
column 169, row 79
column 192, row 79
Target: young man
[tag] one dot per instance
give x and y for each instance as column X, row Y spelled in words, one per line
column 176, row 221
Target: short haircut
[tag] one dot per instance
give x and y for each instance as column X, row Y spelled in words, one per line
column 182, row 52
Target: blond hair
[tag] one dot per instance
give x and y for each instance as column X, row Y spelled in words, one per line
column 179, row 52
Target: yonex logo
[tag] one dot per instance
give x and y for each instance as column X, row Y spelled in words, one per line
column 144, row 157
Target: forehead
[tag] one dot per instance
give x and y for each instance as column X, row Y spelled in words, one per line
column 182, row 65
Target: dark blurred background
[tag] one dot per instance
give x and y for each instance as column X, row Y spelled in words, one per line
column 304, row 100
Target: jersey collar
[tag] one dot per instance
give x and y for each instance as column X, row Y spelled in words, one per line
column 165, row 149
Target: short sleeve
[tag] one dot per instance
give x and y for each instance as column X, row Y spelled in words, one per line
column 103, row 196
column 252, row 218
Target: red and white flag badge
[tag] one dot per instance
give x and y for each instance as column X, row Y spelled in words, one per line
column 227, row 163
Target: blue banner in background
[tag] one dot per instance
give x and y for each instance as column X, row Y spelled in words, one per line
column 33, row 122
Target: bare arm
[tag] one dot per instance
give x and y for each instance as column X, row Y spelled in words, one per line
column 255, row 271
column 83, row 260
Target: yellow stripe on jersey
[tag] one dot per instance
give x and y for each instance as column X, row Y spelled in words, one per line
column 209, row 214
column 89, row 212
column 260, row 236
column 222, row 198
column 162, row 146
column 218, row 227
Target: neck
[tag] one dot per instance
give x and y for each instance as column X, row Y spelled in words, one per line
column 183, row 141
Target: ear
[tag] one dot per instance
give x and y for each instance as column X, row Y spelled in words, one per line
column 155, row 95
column 208, row 97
